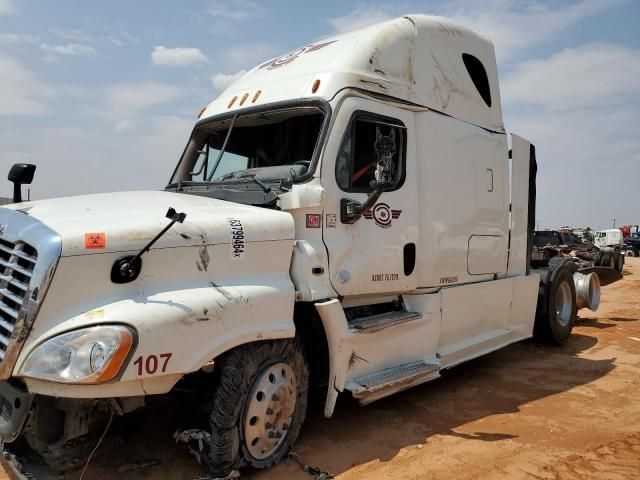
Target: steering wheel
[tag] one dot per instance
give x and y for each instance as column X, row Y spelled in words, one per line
column 305, row 163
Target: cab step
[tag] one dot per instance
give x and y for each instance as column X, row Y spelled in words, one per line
column 376, row 385
column 377, row 380
column 383, row 320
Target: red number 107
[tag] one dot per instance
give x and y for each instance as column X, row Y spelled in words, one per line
column 151, row 363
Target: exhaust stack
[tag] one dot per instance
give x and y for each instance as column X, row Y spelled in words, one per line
column 587, row 290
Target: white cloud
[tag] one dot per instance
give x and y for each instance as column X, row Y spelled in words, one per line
column 107, row 36
column 22, row 92
column 97, row 159
column 248, row 55
column 511, row 25
column 73, row 35
column 236, row 9
column 514, row 26
column 587, row 163
column 173, row 57
column 124, row 126
column 168, row 133
column 68, row 49
column 223, row 80
column 6, row 6
column 587, row 75
column 130, row 98
column 581, row 108
column 361, row 17
column 17, row 38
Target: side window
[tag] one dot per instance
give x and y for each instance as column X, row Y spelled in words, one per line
column 374, row 148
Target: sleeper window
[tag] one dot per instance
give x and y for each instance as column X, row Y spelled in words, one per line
column 478, row 76
column 369, row 145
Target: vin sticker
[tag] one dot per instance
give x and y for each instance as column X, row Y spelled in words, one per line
column 384, row 277
column 238, row 246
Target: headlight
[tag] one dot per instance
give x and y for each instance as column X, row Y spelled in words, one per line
column 88, row 355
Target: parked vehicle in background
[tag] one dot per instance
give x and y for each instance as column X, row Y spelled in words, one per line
column 585, row 234
column 628, row 230
column 610, row 242
column 631, row 234
column 548, row 244
column 611, row 237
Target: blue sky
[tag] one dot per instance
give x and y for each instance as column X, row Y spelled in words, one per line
column 102, row 95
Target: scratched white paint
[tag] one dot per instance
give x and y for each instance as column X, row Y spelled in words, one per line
column 417, row 58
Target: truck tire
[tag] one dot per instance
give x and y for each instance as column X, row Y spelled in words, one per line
column 607, row 260
column 259, row 404
column 630, row 253
column 619, row 261
column 556, row 323
column 556, row 261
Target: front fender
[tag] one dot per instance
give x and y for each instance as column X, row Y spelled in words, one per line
column 188, row 327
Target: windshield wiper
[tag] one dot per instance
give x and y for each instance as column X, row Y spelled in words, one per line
column 224, row 147
column 266, row 188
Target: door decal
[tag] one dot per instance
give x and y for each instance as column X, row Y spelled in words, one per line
column 382, row 214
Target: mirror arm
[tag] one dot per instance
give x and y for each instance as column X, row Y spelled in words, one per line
column 351, row 210
column 17, row 192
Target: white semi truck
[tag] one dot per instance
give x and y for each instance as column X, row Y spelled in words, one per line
column 348, row 214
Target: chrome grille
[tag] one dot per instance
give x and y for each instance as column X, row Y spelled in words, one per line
column 17, row 262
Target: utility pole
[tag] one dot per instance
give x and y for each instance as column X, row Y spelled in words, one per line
column 614, row 222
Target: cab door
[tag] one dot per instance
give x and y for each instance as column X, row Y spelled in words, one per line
column 377, row 253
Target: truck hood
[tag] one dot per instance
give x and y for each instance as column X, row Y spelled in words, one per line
column 126, row 221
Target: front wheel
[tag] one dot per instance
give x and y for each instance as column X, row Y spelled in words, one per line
column 259, row 405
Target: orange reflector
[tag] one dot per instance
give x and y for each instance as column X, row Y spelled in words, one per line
column 244, row 98
column 233, row 100
column 315, row 86
column 255, row 97
column 118, row 358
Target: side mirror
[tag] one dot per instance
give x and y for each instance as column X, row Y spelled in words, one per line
column 351, row 210
column 20, row 173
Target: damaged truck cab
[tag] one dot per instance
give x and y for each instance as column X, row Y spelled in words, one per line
column 353, row 217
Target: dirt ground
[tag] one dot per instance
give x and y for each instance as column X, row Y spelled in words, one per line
column 525, row 412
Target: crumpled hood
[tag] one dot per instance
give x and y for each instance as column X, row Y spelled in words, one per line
column 126, row 221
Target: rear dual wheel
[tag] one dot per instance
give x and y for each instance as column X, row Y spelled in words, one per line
column 607, row 259
column 556, row 323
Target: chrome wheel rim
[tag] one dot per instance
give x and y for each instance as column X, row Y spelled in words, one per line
column 269, row 410
column 564, row 306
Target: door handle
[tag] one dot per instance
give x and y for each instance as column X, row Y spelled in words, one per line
column 490, row 170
